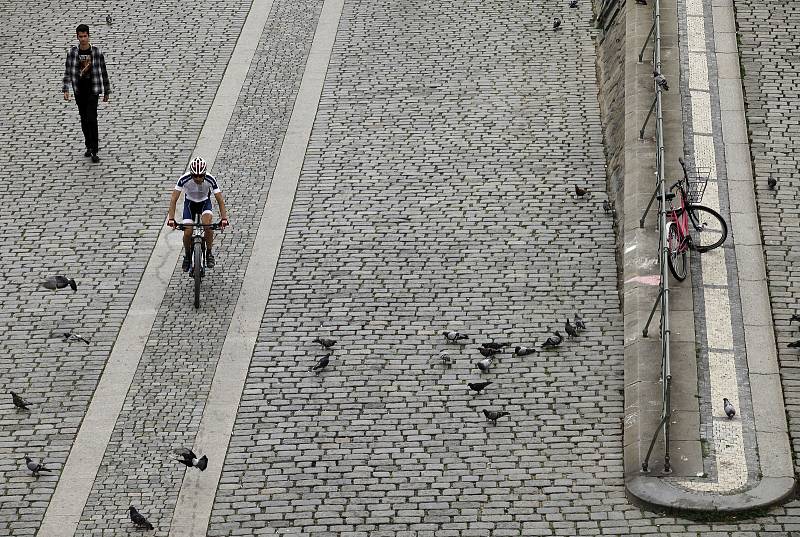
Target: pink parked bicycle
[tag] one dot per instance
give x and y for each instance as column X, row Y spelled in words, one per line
column 691, row 225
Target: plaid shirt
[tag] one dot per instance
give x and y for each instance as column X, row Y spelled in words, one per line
column 100, row 83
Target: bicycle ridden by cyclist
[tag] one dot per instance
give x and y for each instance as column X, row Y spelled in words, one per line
column 197, row 187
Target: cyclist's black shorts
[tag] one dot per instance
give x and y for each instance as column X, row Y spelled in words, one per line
column 191, row 208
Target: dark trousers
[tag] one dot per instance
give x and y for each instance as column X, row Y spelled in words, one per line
column 87, row 107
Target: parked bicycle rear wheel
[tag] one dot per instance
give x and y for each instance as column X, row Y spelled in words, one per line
column 707, row 228
column 676, row 258
column 197, row 272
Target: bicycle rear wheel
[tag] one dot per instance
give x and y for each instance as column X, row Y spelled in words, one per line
column 676, row 257
column 197, row 272
column 708, row 229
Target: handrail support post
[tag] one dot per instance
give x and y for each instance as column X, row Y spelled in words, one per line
column 650, row 113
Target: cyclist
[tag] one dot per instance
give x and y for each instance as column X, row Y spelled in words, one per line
column 197, row 187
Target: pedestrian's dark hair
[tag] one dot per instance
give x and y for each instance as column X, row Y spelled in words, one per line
column 82, row 28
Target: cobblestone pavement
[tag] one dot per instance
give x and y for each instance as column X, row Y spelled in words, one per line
column 67, row 214
column 412, row 215
column 435, row 194
column 163, row 408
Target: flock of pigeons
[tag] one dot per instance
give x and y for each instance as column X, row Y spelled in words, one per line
column 488, row 350
column 186, row 456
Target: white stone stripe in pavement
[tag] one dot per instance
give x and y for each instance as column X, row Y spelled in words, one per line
column 196, row 497
column 75, row 482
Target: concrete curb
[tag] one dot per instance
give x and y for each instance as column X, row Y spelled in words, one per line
column 658, row 494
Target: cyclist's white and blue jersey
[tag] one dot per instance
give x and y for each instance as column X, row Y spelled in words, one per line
column 196, row 197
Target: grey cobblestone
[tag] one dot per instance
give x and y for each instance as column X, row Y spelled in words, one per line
column 436, row 192
column 433, row 195
column 164, row 405
column 69, row 213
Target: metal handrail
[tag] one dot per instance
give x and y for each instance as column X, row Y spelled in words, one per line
column 663, row 295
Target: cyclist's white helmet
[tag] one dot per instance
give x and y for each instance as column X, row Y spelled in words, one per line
column 198, row 166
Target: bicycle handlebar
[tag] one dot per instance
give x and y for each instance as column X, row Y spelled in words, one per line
column 184, row 226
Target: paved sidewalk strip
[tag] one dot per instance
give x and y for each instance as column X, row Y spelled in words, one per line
column 65, row 508
column 198, row 490
column 728, row 437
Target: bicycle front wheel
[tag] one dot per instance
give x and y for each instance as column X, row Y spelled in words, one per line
column 197, row 272
column 707, row 228
column 676, row 256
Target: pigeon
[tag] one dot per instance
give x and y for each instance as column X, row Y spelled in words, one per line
column 794, row 345
column 493, row 416
column 59, row 282
column 325, row 342
column 35, row 467
column 484, row 365
column 661, row 81
column 552, row 343
column 570, row 330
column 573, row 3
column 795, row 317
column 771, row 182
column 478, row 386
column 19, row 402
column 492, row 345
column 453, row 337
column 488, row 352
column 321, row 364
column 579, row 324
column 641, row 2
column 729, row 410
column 524, row 351
column 444, row 357
column 556, row 23
column 72, row 336
column 138, row 519
column 580, row 191
column 108, row 20
column 191, row 460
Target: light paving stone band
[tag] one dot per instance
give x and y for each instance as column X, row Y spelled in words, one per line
column 198, row 490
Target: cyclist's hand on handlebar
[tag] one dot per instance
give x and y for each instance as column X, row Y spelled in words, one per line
column 171, row 223
column 224, row 223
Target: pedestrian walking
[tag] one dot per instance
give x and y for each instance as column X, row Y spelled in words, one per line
column 86, row 72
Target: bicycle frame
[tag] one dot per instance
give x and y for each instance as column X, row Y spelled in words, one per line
column 680, row 217
column 198, row 235
column 197, row 255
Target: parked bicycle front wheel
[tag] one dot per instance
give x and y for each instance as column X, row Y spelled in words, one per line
column 197, row 272
column 676, row 257
column 708, row 228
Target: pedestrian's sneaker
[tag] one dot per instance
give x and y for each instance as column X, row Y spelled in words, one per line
column 87, row 153
column 95, row 158
column 186, row 263
column 209, row 259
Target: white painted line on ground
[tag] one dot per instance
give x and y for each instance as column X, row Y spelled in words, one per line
column 196, row 497
column 75, row 483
